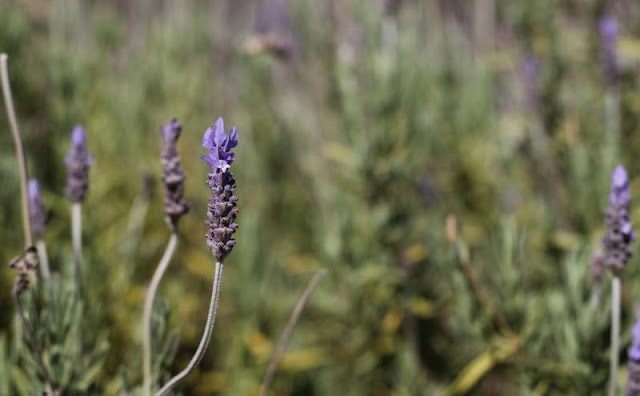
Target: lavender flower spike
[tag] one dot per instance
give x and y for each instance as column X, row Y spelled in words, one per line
column 619, row 232
column 609, row 36
column 173, row 175
column 78, row 162
column 633, row 367
column 221, row 209
column 221, row 212
column 37, row 214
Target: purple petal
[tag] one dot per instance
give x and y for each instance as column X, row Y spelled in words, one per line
column 79, row 136
column 227, row 156
column 33, row 190
column 207, row 140
column 219, row 135
column 213, row 163
column 619, row 178
column 232, row 140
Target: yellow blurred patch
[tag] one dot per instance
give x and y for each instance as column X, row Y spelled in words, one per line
column 134, row 296
column 339, row 153
column 258, row 344
column 566, row 240
column 300, row 264
column 422, row 307
column 210, row 382
column 629, row 47
column 480, row 366
column 199, row 265
column 416, row 252
column 391, row 321
column 303, row 359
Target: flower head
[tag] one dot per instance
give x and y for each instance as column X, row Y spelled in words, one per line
column 78, row 162
column 219, row 143
column 619, row 231
column 222, row 210
column 37, row 214
column 173, row 175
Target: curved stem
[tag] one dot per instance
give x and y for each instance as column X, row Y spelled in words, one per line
column 208, row 329
column 615, row 333
column 44, row 259
column 148, row 311
column 76, row 238
column 286, row 334
column 22, row 167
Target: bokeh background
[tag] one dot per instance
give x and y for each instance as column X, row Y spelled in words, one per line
column 401, row 145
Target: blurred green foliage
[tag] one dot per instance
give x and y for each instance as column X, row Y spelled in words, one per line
column 356, row 144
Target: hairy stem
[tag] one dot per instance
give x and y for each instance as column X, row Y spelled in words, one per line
column 615, row 333
column 44, row 259
column 288, row 331
column 17, row 140
column 208, row 329
column 76, row 238
column 148, row 311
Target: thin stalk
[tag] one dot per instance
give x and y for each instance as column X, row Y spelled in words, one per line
column 148, row 311
column 615, row 333
column 17, row 140
column 76, row 237
column 44, row 259
column 596, row 295
column 26, row 325
column 479, row 291
column 288, row 331
column 208, row 329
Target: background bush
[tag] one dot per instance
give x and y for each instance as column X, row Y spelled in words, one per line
column 381, row 121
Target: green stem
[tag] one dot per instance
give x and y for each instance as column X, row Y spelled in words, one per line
column 615, row 333
column 76, row 238
column 148, row 311
column 44, row 259
column 17, row 140
column 208, row 329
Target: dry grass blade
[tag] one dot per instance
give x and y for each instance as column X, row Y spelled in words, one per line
column 286, row 334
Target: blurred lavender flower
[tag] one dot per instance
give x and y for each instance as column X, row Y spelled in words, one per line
column 221, row 209
column 531, row 79
column 173, row 175
column 633, row 366
column 37, row 214
column 609, row 36
column 390, row 6
column 273, row 32
column 619, row 232
column 78, row 162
